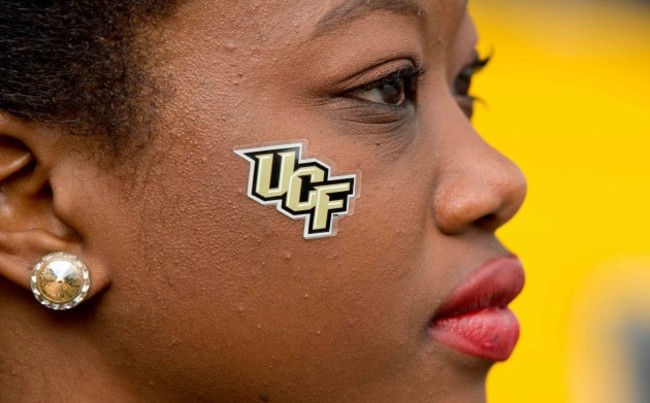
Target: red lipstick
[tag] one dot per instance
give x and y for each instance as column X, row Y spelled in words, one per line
column 475, row 318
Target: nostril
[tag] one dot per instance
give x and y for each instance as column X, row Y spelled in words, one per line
column 488, row 221
column 483, row 191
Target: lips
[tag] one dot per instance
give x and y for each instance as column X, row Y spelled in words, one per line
column 475, row 318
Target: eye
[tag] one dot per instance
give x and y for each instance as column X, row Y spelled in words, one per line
column 463, row 82
column 396, row 89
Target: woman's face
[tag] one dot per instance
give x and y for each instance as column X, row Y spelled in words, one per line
column 212, row 291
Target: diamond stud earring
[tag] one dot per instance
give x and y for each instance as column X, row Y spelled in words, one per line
column 60, row 281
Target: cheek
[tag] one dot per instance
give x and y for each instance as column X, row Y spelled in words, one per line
column 239, row 278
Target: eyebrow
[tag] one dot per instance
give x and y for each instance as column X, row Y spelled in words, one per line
column 351, row 10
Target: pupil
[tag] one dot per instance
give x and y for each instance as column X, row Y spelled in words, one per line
column 393, row 93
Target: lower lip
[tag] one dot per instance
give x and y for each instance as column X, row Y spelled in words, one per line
column 490, row 333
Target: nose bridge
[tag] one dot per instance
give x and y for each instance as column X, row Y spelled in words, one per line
column 477, row 186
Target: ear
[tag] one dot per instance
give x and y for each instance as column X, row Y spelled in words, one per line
column 29, row 225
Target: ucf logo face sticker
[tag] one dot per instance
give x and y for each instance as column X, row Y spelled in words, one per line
column 299, row 188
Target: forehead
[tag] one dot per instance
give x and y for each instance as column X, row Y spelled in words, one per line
column 274, row 20
column 278, row 50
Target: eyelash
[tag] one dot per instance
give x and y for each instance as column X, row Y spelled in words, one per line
column 463, row 82
column 404, row 83
column 408, row 76
column 464, row 78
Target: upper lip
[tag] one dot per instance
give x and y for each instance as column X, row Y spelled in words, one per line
column 494, row 284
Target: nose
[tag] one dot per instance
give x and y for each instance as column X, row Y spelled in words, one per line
column 477, row 186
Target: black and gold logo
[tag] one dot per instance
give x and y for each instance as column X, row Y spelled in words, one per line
column 299, row 188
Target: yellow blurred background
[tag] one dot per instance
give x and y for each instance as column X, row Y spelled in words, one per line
column 568, row 99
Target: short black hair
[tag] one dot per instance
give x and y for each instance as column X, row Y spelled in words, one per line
column 75, row 63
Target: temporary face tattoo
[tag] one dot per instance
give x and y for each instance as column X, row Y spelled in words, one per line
column 299, row 188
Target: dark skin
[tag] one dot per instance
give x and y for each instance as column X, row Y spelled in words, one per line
column 215, row 297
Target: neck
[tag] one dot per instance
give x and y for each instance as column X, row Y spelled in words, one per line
column 45, row 356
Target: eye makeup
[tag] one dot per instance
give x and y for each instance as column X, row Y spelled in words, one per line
column 394, row 89
column 463, row 82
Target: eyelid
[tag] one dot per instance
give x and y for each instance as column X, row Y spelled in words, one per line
column 374, row 75
column 465, row 99
column 477, row 64
column 409, row 77
column 480, row 62
column 409, row 72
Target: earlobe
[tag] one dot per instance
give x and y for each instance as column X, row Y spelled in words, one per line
column 29, row 226
column 20, row 250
